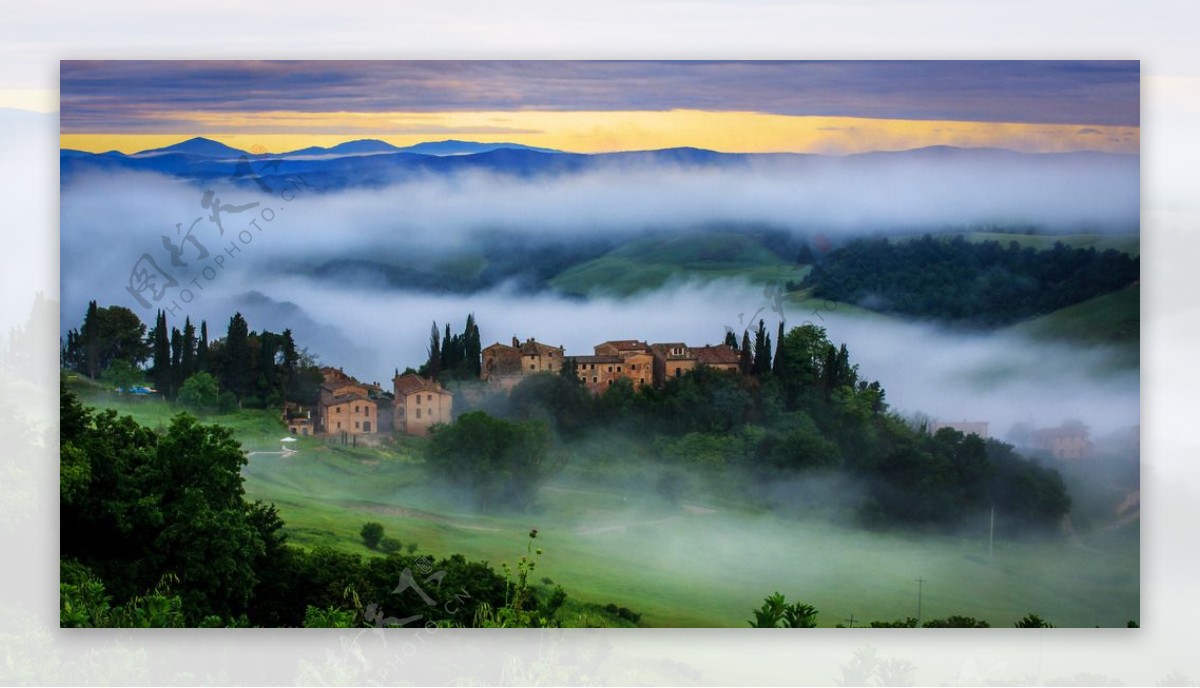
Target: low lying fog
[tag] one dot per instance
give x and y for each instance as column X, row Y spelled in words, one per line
column 109, row 222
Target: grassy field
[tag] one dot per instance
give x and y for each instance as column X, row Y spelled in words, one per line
column 1112, row 319
column 699, row 563
column 650, row 263
column 1126, row 243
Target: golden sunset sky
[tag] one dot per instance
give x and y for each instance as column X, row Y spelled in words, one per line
column 590, row 107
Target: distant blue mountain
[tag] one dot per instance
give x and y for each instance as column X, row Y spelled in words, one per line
column 455, row 147
column 374, row 163
column 198, row 146
column 358, row 147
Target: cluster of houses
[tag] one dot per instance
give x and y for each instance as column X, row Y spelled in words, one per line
column 642, row 364
column 1068, row 442
column 347, row 408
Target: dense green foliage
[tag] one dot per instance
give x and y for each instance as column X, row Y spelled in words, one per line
column 497, row 461
column 108, row 334
column 156, row 531
column 978, row 284
column 806, row 414
column 453, row 356
column 259, row 369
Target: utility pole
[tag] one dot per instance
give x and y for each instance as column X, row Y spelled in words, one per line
column 920, row 586
column 850, row 620
column 991, row 530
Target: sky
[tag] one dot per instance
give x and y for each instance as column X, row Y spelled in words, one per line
column 822, row 107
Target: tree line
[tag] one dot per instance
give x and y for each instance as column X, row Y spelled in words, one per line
column 254, row 369
column 982, row 284
column 157, row 531
column 805, row 412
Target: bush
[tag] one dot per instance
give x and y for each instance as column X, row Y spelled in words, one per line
column 372, row 533
column 390, row 545
column 227, row 402
column 199, row 392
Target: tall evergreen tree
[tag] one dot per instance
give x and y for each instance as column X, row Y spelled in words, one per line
column 176, row 362
column 434, row 367
column 187, row 361
column 779, row 352
column 746, row 360
column 237, row 362
column 202, row 358
column 162, row 356
column 731, row 340
column 91, row 340
column 473, row 347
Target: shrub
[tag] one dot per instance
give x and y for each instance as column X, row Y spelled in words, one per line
column 372, row 533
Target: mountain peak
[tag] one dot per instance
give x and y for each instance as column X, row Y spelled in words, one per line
column 198, row 146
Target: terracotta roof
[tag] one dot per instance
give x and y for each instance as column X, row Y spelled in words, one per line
column 533, row 347
column 500, row 348
column 597, row 359
column 625, row 344
column 721, row 354
column 663, row 350
column 411, row 382
column 349, row 397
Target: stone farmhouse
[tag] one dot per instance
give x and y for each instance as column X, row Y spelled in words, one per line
column 642, row 364
column 420, row 403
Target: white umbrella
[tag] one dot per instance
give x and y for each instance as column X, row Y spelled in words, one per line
column 288, row 439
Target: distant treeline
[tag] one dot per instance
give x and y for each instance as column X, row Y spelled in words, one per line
column 803, row 412
column 977, row 284
column 244, row 367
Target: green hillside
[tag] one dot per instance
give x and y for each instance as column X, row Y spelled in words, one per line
column 1109, row 319
column 1126, row 243
column 648, row 264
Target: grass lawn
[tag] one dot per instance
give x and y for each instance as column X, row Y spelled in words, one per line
column 706, row 563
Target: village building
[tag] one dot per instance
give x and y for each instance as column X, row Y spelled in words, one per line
column 966, row 427
column 1068, row 442
column 671, row 359
column 351, row 413
column 299, row 420
column 504, row 366
column 718, row 357
column 598, row 372
column 419, row 404
column 635, row 360
column 344, row 407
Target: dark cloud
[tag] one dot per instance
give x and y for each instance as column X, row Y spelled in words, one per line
column 130, row 96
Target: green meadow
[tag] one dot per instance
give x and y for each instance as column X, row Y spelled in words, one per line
column 704, row 561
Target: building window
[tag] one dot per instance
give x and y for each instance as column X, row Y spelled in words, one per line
column 532, row 366
column 355, row 425
column 418, row 414
column 678, row 372
column 610, row 369
column 356, row 408
column 418, row 398
column 618, row 369
column 595, row 379
column 428, row 397
column 366, row 410
column 339, row 427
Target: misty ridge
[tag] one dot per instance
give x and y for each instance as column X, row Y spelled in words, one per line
column 359, row 259
column 441, row 243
